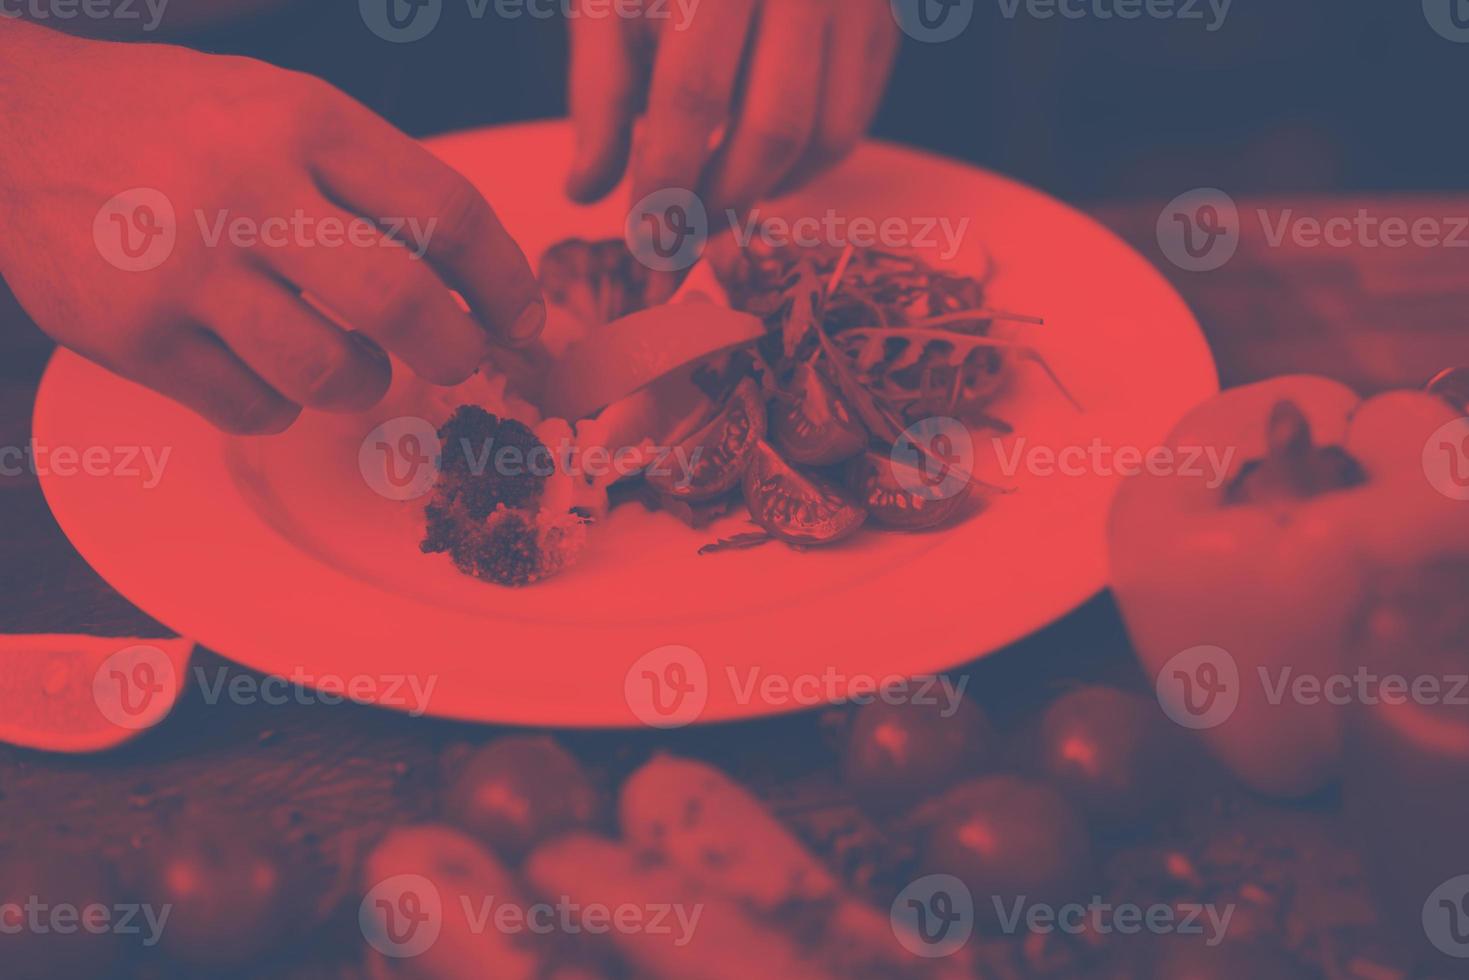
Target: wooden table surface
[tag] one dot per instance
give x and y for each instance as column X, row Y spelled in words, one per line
column 329, row 779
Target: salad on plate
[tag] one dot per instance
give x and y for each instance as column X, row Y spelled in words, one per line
column 822, row 391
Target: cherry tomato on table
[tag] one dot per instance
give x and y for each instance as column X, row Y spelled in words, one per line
column 518, row 791
column 57, row 917
column 899, row 752
column 1009, row 838
column 231, row 895
column 1112, row 751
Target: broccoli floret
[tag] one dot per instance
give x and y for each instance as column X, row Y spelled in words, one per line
column 487, row 462
column 508, row 552
column 501, row 549
column 488, row 472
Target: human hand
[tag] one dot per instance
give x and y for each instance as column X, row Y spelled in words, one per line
column 308, row 235
column 794, row 83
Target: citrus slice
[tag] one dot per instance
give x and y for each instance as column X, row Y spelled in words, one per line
column 617, row 359
column 64, row 693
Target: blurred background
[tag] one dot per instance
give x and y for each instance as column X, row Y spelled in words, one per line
column 1283, row 97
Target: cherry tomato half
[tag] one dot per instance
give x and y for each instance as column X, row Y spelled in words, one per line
column 815, row 426
column 717, row 453
column 895, row 495
column 793, row 506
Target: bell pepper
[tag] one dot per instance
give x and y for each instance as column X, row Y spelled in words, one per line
column 1324, row 492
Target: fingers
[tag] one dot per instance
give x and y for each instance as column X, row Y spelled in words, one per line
column 779, row 110
column 690, row 96
column 292, row 348
column 397, row 300
column 604, row 89
column 375, row 171
column 861, row 47
column 198, row 370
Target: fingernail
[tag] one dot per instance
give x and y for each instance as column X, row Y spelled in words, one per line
column 529, row 324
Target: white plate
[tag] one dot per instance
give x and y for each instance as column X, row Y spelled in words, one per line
column 276, row 553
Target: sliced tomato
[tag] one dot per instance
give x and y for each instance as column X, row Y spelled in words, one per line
column 793, row 506
column 816, row 426
column 712, row 460
column 896, row 495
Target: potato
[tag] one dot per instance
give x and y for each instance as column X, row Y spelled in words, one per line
column 683, row 931
column 718, row 832
column 425, row 889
